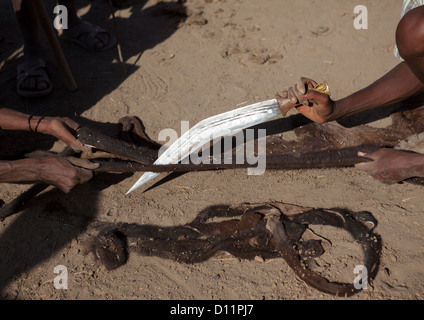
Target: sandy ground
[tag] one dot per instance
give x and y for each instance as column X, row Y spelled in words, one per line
column 225, row 53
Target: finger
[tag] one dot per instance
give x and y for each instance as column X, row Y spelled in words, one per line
column 292, row 96
column 315, row 96
column 300, row 95
column 301, row 86
column 84, row 175
column 64, row 189
column 372, row 156
column 74, row 143
column 80, row 176
column 70, row 123
column 308, row 83
column 83, row 163
column 364, row 166
column 79, row 146
column 369, row 168
column 60, row 130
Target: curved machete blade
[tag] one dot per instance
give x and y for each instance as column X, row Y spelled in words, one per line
column 211, row 128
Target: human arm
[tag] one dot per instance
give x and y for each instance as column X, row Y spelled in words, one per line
column 397, row 85
column 61, row 128
column 63, row 173
column 391, row 166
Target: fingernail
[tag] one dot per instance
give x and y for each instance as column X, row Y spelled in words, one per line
column 301, row 88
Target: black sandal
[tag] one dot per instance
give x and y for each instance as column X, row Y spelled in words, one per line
column 35, row 69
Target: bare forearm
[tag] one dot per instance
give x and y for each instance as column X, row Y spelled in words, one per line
column 63, row 173
column 397, row 85
column 25, row 170
column 13, row 120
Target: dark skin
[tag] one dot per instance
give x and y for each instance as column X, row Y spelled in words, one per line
column 32, row 48
column 405, row 80
column 62, row 172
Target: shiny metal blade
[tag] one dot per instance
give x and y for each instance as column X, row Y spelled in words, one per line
column 211, row 128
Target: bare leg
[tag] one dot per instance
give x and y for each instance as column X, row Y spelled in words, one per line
column 32, row 47
column 410, row 41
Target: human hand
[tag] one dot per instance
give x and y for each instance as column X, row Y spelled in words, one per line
column 64, row 129
column 390, row 166
column 64, row 173
column 314, row 105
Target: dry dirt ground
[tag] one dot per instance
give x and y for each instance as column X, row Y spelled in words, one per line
column 186, row 62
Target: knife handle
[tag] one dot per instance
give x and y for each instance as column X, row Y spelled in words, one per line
column 320, row 87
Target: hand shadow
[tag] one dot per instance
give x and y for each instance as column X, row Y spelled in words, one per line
column 48, row 223
column 51, row 220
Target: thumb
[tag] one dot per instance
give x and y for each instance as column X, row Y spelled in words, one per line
column 83, row 163
column 363, row 166
column 315, row 95
column 370, row 156
column 366, row 165
column 77, row 145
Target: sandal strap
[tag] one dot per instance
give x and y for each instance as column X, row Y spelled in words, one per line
column 88, row 30
column 32, row 69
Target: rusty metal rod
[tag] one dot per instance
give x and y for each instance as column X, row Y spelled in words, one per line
column 330, row 158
